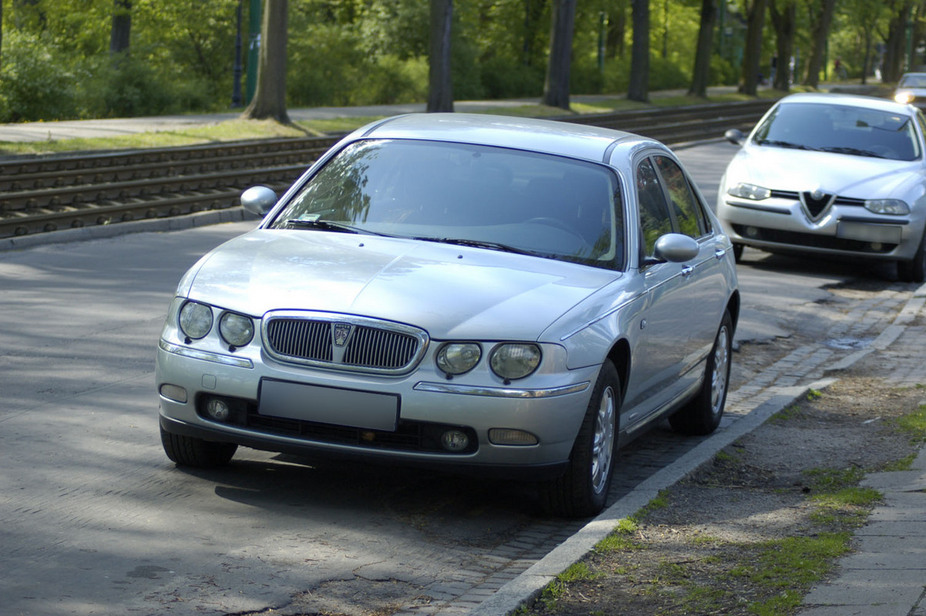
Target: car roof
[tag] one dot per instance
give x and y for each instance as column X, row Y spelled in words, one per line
column 548, row 136
column 854, row 100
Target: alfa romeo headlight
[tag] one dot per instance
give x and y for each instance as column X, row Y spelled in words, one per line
column 513, row 360
column 236, row 329
column 458, row 357
column 195, row 320
column 892, row 207
column 749, row 191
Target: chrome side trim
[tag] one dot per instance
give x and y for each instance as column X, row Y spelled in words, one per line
column 501, row 392
column 216, row 358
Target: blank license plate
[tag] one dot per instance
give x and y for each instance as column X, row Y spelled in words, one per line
column 886, row 234
column 331, row 405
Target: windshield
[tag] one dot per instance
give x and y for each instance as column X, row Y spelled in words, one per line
column 489, row 197
column 912, row 81
column 841, row 129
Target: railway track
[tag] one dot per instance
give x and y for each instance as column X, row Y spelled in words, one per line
column 46, row 193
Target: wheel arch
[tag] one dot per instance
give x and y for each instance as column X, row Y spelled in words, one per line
column 620, row 357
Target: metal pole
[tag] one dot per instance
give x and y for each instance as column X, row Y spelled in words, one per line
column 254, row 20
column 236, row 74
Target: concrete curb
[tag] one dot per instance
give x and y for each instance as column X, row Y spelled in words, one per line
column 174, row 223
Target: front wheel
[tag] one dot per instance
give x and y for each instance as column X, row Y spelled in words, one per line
column 915, row 269
column 582, row 490
column 703, row 413
column 196, row 452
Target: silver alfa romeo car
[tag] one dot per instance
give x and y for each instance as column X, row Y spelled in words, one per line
column 508, row 296
column 831, row 174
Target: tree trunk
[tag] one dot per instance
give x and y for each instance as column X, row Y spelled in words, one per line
column 270, row 95
column 120, row 35
column 701, row 73
column 784, row 16
column 820, row 29
column 755, row 21
column 638, row 89
column 892, row 66
column 556, row 86
column 440, row 83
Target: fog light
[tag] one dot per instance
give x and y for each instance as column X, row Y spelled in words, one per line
column 218, row 409
column 506, row 436
column 173, row 392
column 454, row 440
column 752, row 232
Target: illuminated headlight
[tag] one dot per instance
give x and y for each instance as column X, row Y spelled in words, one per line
column 195, row 320
column 904, row 97
column 458, row 357
column 236, row 329
column 749, row 191
column 514, row 360
column 893, row 207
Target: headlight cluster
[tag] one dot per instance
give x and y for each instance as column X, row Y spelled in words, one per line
column 891, row 207
column 904, row 97
column 196, row 320
column 508, row 360
column 749, row 191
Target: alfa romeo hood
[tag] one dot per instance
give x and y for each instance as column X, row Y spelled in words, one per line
column 450, row 291
column 799, row 170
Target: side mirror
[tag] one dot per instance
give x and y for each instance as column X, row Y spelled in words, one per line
column 258, row 200
column 676, row 248
column 735, row 136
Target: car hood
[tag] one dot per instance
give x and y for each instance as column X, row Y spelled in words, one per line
column 450, row 291
column 798, row 170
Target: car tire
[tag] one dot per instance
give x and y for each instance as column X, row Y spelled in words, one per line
column 196, row 452
column 915, row 269
column 737, row 252
column 703, row 413
column 583, row 489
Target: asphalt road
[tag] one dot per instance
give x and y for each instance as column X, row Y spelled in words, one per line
column 95, row 520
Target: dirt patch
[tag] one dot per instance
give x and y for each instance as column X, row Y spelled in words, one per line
column 687, row 554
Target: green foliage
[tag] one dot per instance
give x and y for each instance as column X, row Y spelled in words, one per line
column 35, row 81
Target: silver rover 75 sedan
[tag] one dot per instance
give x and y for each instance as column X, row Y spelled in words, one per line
column 508, row 296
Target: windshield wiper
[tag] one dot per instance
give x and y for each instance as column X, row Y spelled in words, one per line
column 328, row 225
column 478, row 244
column 853, row 151
column 785, row 144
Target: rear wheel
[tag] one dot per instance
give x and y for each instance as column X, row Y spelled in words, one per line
column 196, row 452
column 583, row 489
column 915, row 269
column 702, row 415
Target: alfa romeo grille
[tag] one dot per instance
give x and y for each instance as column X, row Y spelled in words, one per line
column 344, row 343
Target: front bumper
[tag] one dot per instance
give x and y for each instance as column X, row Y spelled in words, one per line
column 425, row 405
column 783, row 225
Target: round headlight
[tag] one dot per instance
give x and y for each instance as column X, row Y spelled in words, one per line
column 458, row 357
column 893, row 207
column 514, row 360
column 749, row 191
column 236, row 329
column 195, row 320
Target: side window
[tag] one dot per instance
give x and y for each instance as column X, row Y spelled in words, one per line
column 685, row 207
column 655, row 219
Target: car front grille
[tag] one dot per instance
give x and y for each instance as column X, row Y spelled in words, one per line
column 343, row 342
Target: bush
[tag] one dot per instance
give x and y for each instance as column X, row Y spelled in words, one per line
column 35, row 81
column 506, row 78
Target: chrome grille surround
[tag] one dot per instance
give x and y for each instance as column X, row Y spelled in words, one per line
column 343, row 342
